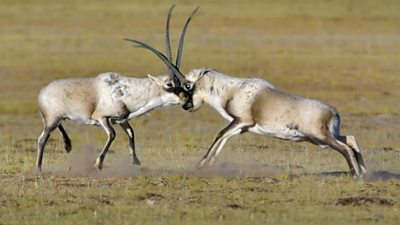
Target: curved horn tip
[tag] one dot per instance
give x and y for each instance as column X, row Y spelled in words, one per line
column 167, row 38
column 181, row 40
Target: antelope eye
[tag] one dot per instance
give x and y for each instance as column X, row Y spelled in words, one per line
column 188, row 86
column 169, row 85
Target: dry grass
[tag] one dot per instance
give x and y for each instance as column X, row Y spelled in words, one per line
column 344, row 53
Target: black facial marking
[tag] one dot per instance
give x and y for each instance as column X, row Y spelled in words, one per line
column 211, row 89
column 112, row 79
column 292, row 126
column 188, row 104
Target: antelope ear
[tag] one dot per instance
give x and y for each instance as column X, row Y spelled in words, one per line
column 153, row 78
column 204, row 71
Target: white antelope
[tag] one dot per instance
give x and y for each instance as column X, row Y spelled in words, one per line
column 109, row 98
column 254, row 105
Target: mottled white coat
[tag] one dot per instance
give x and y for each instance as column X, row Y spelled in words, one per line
column 103, row 100
column 255, row 105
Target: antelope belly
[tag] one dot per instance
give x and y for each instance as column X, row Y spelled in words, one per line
column 83, row 120
column 279, row 132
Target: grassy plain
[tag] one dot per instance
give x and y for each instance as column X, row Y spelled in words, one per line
column 345, row 53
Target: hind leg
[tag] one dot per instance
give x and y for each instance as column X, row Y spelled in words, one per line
column 347, row 152
column 48, row 128
column 352, row 142
column 67, row 141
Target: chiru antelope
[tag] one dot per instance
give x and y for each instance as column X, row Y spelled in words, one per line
column 254, row 105
column 110, row 98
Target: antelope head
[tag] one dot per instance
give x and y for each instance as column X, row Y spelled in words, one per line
column 177, row 83
column 199, row 91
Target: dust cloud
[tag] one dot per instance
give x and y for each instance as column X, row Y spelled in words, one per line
column 244, row 168
column 81, row 163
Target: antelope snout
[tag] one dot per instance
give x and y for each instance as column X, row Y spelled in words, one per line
column 183, row 96
column 188, row 105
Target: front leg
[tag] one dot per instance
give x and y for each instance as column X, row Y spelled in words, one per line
column 105, row 123
column 234, row 128
column 129, row 131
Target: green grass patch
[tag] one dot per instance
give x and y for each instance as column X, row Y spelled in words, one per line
column 344, row 53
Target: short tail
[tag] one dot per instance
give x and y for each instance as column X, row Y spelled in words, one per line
column 334, row 124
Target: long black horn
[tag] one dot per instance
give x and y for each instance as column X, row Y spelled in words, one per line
column 167, row 40
column 171, row 66
column 180, row 48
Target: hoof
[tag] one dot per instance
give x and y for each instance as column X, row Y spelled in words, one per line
column 136, row 162
column 38, row 169
column 363, row 171
column 99, row 164
column 358, row 176
column 68, row 147
column 200, row 166
column 203, row 163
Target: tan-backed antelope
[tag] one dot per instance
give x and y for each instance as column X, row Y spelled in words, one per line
column 110, row 98
column 254, row 105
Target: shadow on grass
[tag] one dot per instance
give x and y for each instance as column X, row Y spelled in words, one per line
column 333, row 174
column 380, row 175
column 244, row 168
